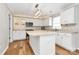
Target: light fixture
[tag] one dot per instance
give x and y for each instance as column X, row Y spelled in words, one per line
column 36, row 11
column 36, row 6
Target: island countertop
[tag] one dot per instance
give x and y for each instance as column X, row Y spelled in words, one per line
column 40, row 32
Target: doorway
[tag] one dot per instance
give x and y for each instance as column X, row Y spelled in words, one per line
column 10, row 28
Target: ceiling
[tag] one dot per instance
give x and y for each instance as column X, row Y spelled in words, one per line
column 46, row 8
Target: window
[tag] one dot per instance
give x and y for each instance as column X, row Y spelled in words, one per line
column 50, row 21
column 56, row 23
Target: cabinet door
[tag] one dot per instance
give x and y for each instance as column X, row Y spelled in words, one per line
column 18, row 35
column 41, row 22
column 34, row 42
column 47, row 22
column 34, row 22
column 19, row 23
column 47, row 45
column 60, row 39
column 67, row 17
column 57, row 38
column 67, row 41
column 37, row 22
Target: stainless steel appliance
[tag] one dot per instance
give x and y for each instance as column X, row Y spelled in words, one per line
column 29, row 24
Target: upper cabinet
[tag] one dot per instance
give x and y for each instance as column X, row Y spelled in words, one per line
column 48, row 22
column 18, row 23
column 70, row 16
column 67, row 16
column 37, row 22
column 42, row 22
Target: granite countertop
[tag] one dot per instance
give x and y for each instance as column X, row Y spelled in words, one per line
column 71, row 32
column 40, row 32
column 43, row 32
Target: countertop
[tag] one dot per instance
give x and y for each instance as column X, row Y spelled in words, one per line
column 71, row 32
column 47, row 31
column 40, row 33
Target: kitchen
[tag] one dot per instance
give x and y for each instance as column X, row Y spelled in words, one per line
column 44, row 29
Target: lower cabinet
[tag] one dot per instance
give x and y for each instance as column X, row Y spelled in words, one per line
column 34, row 43
column 65, row 40
column 59, row 39
column 19, row 35
column 47, row 45
column 43, row 45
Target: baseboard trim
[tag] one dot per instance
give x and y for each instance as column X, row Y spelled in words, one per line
column 66, row 48
column 4, row 50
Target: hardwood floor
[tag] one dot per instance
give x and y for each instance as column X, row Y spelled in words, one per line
column 23, row 48
column 19, row 48
column 62, row 51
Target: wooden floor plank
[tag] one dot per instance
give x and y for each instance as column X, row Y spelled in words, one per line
column 22, row 47
column 19, row 48
column 61, row 51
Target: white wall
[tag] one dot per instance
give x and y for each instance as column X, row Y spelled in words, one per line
column 4, row 27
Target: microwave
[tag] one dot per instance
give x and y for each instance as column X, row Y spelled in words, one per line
column 29, row 24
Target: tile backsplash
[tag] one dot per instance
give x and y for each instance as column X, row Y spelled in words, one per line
column 67, row 28
column 71, row 28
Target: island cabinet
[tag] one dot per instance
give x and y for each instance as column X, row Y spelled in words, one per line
column 70, row 16
column 34, row 43
column 47, row 45
column 42, row 43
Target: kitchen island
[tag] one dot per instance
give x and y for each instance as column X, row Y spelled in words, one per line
column 42, row 42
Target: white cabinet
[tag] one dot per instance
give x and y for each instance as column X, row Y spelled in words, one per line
column 47, row 22
column 67, row 16
column 59, row 38
column 47, row 45
column 75, row 38
column 34, row 42
column 37, row 22
column 19, row 35
column 43, row 45
column 19, row 23
column 65, row 40
column 70, row 16
column 42, row 22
